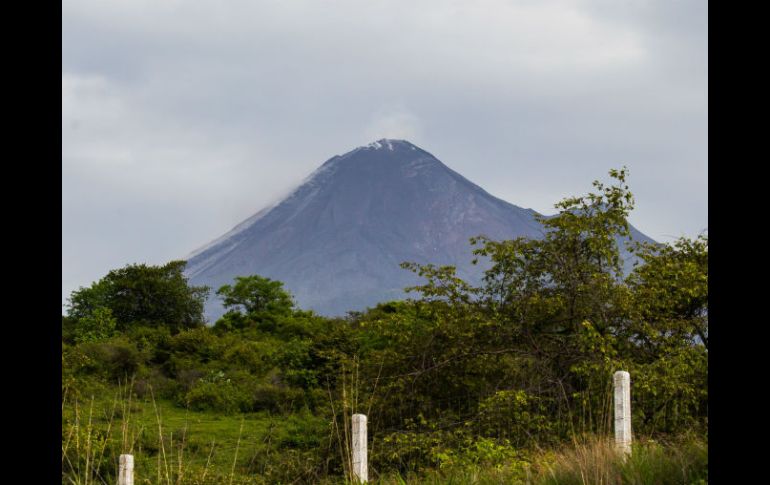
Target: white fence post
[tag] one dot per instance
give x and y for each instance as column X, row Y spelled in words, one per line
column 622, row 382
column 360, row 468
column 126, row 470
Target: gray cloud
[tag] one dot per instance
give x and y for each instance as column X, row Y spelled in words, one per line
column 181, row 118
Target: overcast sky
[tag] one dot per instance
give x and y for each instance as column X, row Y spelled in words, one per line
column 180, row 118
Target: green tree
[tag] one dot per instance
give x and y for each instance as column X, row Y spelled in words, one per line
column 537, row 301
column 542, row 291
column 666, row 339
column 97, row 325
column 255, row 295
column 671, row 291
column 139, row 294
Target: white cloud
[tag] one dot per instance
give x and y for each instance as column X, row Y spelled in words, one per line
column 396, row 123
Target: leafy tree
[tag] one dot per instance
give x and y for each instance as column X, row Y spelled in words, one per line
column 666, row 340
column 671, row 291
column 68, row 326
column 97, row 325
column 552, row 315
column 255, row 295
column 139, row 294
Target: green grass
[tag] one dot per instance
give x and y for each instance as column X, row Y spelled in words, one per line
column 594, row 461
column 193, row 443
column 199, row 448
column 591, row 461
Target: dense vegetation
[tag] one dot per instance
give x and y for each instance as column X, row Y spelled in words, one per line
column 502, row 382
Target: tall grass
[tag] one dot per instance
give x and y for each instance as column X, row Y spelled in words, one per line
column 94, row 434
column 173, row 446
column 589, row 461
column 595, row 461
column 85, row 447
column 90, row 452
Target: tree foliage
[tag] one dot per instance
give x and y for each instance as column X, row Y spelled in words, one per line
column 256, row 294
column 139, row 294
column 97, row 325
column 554, row 317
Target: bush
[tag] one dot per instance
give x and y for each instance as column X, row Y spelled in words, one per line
column 116, row 359
column 515, row 415
column 221, row 396
column 152, row 382
column 198, row 342
column 304, row 430
column 276, row 398
column 155, row 340
column 253, row 356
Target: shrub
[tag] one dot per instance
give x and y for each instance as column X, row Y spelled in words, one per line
column 116, row 359
column 221, row 396
column 99, row 324
column 276, row 398
column 514, row 415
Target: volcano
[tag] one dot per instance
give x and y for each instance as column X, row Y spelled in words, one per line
column 338, row 239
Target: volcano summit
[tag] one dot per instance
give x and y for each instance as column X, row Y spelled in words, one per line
column 338, row 239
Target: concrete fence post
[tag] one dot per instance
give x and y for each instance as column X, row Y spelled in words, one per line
column 622, row 382
column 126, row 470
column 360, row 468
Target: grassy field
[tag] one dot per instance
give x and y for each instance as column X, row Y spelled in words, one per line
column 175, row 445
column 172, row 445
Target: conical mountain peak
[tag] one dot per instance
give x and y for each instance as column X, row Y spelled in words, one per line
column 384, row 149
column 390, row 144
column 376, row 165
column 337, row 240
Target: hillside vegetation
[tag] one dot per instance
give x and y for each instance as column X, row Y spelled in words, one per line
column 507, row 382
